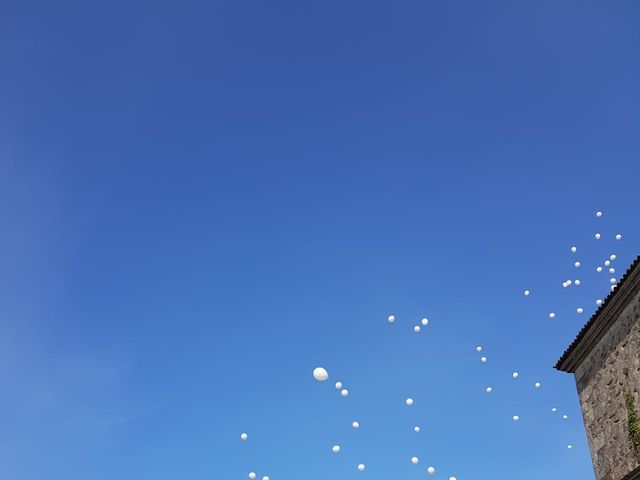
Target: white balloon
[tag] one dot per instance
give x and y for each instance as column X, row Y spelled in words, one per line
column 598, row 302
column 577, row 264
column 598, row 213
column 416, row 329
column 612, row 270
column 577, row 282
column 335, row 449
column 516, row 418
column 580, row 310
column 612, row 257
column 391, row 318
column 414, row 460
column 355, row 424
column 537, row 385
column 431, row 470
column 344, row 392
column 424, row 321
column 478, row 348
column 607, row 263
column 489, row 389
column 409, row 401
column 599, row 269
column 554, row 409
column 597, row 235
column 618, row 237
column 569, row 446
column 526, row 293
column 266, row 477
column 320, row 374
column 574, row 249
column 252, row 475
column 612, row 280
column 416, row 429
column 338, row 385
column 552, row 315
column 483, row 359
column 515, row 374
column 361, row 467
column 564, row 417
column 243, row 436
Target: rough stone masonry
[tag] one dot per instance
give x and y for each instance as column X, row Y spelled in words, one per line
column 605, row 361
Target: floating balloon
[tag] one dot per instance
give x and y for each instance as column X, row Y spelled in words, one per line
column 320, row 374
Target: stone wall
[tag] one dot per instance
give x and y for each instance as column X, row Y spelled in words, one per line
column 611, row 370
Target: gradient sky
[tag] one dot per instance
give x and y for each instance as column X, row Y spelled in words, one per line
column 203, row 201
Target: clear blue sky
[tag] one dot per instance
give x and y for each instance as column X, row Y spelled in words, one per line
column 202, row 201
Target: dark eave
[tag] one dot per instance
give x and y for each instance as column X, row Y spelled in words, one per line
column 602, row 319
column 634, row 475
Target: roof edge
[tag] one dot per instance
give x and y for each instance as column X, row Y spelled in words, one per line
column 633, row 475
column 601, row 320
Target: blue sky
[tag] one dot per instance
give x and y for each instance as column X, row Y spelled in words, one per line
column 203, row 201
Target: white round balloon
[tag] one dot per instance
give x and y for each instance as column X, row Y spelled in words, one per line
column 320, row 374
